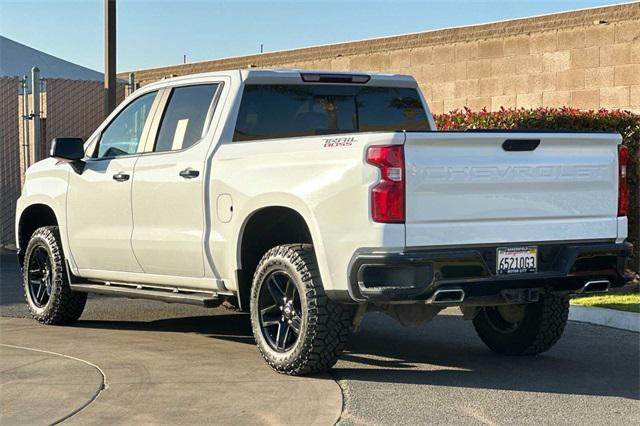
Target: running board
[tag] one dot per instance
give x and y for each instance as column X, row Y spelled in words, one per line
column 208, row 300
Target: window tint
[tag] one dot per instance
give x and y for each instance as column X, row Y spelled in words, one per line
column 184, row 117
column 383, row 109
column 123, row 134
column 279, row 111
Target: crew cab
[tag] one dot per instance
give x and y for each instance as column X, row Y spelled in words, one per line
column 310, row 198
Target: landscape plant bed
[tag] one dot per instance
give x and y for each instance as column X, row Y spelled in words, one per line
column 629, row 302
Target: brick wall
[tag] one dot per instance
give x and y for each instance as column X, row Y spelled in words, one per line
column 587, row 59
column 9, row 157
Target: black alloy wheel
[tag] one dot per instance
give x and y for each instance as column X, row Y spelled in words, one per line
column 40, row 276
column 497, row 321
column 280, row 311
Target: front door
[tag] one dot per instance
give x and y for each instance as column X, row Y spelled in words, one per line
column 99, row 219
column 168, row 187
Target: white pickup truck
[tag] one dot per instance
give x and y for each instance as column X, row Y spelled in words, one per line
column 310, row 198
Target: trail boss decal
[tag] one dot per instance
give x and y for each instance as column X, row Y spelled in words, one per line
column 336, row 142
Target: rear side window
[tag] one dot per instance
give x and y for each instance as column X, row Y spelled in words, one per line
column 281, row 111
column 184, row 117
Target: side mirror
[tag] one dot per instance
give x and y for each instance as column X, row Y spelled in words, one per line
column 67, row 148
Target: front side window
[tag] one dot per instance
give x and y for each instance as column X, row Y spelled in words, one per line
column 280, row 111
column 184, row 118
column 123, row 134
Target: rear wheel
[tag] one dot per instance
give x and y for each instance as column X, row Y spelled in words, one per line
column 45, row 282
column 523, row 329
column 297, row 328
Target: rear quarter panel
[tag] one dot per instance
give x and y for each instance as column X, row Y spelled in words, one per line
column 327, row 184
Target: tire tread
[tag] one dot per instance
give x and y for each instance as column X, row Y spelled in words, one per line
column 66, row 306
column 542, row 329
column 329, row 322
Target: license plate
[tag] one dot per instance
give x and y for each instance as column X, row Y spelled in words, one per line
column 517, row 260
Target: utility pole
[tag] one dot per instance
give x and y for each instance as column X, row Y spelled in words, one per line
column 109, row 56
column 132, row 83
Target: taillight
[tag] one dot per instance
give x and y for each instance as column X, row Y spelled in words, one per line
column 387, row 196
column 623, row 185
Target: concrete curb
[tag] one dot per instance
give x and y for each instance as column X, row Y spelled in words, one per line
column 607, row 317
column 63, row 385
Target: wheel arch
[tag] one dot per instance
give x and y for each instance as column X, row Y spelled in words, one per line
column 264, row 228
column 32, row 217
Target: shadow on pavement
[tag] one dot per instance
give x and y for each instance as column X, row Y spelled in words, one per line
column 587, row 361
column 10, row 278
column 232, row 326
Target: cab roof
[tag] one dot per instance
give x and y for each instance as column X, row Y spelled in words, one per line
column 296, row 76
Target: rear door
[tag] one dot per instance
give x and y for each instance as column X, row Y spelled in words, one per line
column 168, row 187
column 479, row 188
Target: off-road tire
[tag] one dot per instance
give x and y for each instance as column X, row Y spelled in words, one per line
column 325, row 324
column 64, row 306
column 542, row 325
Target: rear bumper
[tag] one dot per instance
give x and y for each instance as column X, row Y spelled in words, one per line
column 416, row 274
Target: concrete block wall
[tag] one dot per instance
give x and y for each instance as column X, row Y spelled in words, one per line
column 587, row 59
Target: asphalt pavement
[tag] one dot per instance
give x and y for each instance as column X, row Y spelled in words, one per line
column 184, row 364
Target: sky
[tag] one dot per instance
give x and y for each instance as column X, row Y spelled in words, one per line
column 153, row 33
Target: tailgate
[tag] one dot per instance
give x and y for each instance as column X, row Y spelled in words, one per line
column 465, row 188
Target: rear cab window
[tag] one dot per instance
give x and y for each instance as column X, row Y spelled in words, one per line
column 183, row 121
column 291, row 110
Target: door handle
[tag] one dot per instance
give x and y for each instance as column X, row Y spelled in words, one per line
column 121, row 177
column 189, row 173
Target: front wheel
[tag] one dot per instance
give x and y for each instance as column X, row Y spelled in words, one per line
column 523, row 329
column 45, row 283
column 297, row 328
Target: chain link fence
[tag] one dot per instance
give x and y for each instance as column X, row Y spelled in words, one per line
column 69, row 108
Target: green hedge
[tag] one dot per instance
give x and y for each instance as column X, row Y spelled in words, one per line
column 624, row 122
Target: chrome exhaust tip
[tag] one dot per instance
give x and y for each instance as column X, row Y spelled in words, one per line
column 596, row 286
column 448, row 296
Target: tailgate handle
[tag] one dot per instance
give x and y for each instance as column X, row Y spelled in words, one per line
column 520, row 144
